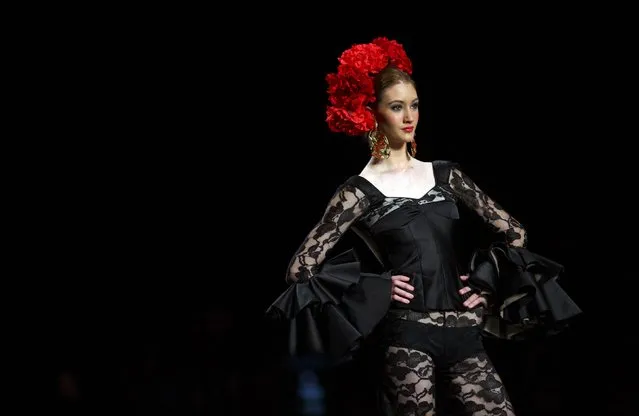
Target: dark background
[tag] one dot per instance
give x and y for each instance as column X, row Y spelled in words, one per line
column 199, row 159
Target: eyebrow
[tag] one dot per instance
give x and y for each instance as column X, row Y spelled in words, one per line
column 400, row 101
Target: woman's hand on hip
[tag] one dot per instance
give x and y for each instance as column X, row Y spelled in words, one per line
column 474, row 299
column 400, row 290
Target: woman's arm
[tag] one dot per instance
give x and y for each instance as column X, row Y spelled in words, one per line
column 472, row 196
column 347, row 205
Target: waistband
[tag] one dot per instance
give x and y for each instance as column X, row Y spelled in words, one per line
column 447, row 319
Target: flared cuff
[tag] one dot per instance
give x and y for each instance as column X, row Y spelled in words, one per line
column 333, row 311
column 525, row 296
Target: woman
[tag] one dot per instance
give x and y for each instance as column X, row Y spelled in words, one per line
column 428, row 320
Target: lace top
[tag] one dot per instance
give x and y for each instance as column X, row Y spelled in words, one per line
column 412, row 236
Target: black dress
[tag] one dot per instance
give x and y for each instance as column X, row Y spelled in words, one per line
column 334, row 303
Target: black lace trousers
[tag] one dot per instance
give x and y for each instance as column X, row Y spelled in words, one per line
column 443, row 352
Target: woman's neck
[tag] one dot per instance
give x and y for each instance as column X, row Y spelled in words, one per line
column 398, row 160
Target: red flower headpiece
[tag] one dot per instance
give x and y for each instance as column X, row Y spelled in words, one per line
column 351, row 89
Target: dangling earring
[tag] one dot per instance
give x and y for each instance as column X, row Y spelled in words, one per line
column 378, row 143
column 413, row 148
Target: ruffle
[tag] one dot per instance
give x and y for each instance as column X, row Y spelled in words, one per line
column 331, row 313
column 525, row 295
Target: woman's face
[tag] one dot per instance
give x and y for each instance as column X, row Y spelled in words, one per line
column 398, row 113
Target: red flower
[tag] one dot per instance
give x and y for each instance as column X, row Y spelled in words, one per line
column 396, row 54
column 367, row 58
column 353, row 122
column 351, row 89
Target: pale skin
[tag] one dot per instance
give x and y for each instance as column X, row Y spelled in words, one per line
column 400, row 174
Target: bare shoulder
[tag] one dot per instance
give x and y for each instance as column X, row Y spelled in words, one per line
column 423, row 164
column 423, row 167
column 369, row 172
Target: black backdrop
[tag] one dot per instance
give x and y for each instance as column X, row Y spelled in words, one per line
column 207, row 159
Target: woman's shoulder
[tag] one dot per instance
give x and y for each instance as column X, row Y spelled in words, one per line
column 437, row 163
column 442, row 169
column 361, row 182
column 444, row 163
column 359, row 187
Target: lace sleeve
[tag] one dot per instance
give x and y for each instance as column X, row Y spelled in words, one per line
column 489, row 210
column 347, row 204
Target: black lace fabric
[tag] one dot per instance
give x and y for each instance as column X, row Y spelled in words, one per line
column 471, row 195
column 410, row 381
column 475, row 388
column 473, row 385
column 347, row 205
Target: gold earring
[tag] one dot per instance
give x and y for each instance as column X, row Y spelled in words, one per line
column 378, row 144
column 413, row 148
